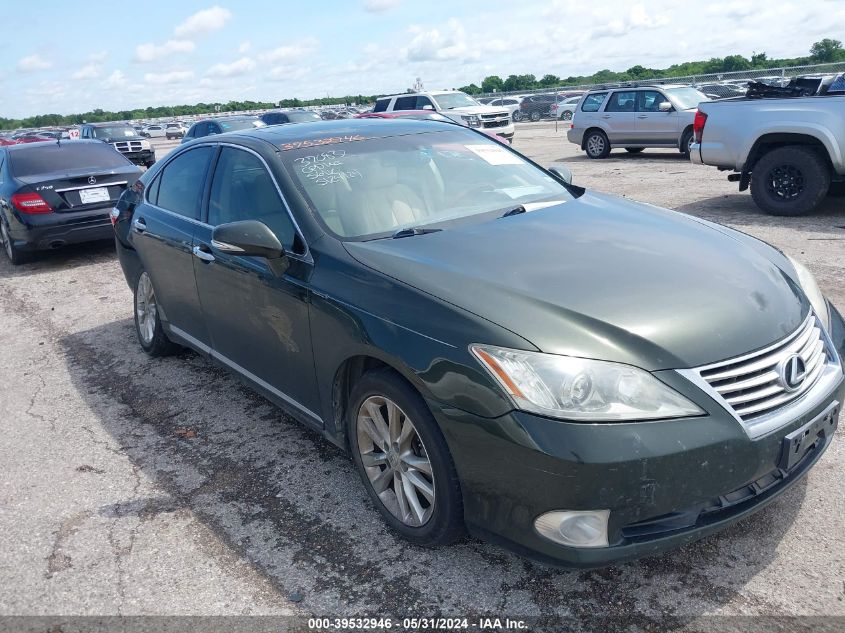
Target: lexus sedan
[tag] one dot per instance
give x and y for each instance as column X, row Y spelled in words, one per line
column 579, row 377
column 53, row 194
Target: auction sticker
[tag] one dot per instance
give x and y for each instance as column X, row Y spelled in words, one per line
column 494, row 154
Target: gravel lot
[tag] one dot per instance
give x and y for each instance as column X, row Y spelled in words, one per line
column 138, row 486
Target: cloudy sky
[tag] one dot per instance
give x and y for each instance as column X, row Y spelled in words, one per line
column 59, row 57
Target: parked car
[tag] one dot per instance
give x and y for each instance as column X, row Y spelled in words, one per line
column 721, row 90
column 219, row 125
column 53, row 194
column 788, row 150
column 536, row 107
column 424, row 115
column 564, row 108
column 153, row 131
column 175, row 130
column 664, row 379
column 511, row 104
column 123, row 138
column 635, row 118
column 278, row 117
column 453, row 104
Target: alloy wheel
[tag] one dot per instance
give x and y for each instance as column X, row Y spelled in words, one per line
column 395, row 461
column 785, row 182
column 146, row 309
column 567, row 115
column 595, row 144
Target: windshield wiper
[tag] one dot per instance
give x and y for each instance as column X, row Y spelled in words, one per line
column 415, row 230
column 514, row 211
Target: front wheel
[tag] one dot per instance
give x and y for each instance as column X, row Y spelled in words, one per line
column 403, row 460
column 148, row 326
column 535, row 116
column 790, row 180
column 596, row 144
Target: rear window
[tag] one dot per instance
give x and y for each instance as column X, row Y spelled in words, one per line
column 302, row 117
column 592, row 102
column 67, row 157
column 245, row 124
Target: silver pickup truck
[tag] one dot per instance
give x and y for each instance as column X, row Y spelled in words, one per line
column 788, row 149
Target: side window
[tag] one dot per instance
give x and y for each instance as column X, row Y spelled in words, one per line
column 214, row 128
column 421, row 102
column 242, row 189
column 190, row 133
column 405, row 103
column 381, row 105
column 649, row 101
column 182, row 179
column 622, row 101
column 593, row 102
column 2, row 161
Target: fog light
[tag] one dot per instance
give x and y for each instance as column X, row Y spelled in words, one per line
column 575, row 528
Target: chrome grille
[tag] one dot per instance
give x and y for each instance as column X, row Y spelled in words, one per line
column 128, row 146
column 753, row 385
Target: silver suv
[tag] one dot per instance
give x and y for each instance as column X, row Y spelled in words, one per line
column 635, row 118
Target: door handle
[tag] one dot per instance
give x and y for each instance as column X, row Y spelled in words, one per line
column 202, row 253
column 139, row 225
column 642, row 116
column 605, row 116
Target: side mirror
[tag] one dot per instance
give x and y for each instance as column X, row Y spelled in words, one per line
column 665, row 106
column 562, row 172
column 428, row 107
column 250, row 238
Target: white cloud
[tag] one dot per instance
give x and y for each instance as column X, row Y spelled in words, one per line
column 239, row 67
column 116, row 80
column 440, row 44
column 288, row 73
column 637, row 19
column 99, row 56
column 203, row 22
column 151, row 52
column 290, row 52
column 171, row 77
column 380, row 6
column 244, row 47
column 88, row 71
column 33, row 63
column 732, row 9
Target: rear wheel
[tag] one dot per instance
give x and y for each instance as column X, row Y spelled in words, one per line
column 517, row 116
column 148, row 326
column 686, row 142
column 790, row 180
column 596, row 144
column 535, row 116
column 403, row 460
column 567, row 115
column 15, row 255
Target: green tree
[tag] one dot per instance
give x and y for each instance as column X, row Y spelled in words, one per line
column 735, row 62
column 759, row 59
column 471, row 89
column 492, row 83
column 550, row 81
column 827, row 50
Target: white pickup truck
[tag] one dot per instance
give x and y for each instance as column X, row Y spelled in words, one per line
column 788, row 149
column 456, row 105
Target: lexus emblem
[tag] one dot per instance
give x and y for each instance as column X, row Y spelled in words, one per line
column 92, row 180
column 792, row 372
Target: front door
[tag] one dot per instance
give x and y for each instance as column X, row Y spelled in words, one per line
column 258, row 321
column 654, row 126
column 162, row 233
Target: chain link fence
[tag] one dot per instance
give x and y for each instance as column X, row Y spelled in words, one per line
column 715, row 85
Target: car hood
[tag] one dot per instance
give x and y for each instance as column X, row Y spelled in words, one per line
column 601, row 277
column 481, row 109
column 118, row 139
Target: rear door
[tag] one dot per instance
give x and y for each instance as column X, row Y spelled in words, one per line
column 654, row 126
column 163, row 233
column 619, row 118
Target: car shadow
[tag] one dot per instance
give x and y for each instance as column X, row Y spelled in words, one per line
column 290, row 504
column 739, row 209
column 622, row 156
column 67, row 257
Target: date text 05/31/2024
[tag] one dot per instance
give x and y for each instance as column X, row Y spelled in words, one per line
column 417, row 624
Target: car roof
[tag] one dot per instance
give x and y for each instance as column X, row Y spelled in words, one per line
column 327, row 130
column 242, row 117
column 74, row 143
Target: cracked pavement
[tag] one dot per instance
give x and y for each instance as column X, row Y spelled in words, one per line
column 131, row 485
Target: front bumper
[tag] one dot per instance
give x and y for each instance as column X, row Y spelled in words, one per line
column 666, row 483
column 144, row 157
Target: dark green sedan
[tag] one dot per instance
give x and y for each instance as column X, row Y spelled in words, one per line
column 581, row 378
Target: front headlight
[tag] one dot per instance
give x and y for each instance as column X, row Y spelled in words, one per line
column 145, row 145
column 471, row 120
column 581, row 389
column 814, row 294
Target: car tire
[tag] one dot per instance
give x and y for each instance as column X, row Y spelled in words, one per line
column 634, row 150
column 596, row 144
column 148, row 326
column 149, row 163
column 566, row 116
column 686, row 141
column 790, row 180
column 422, row 459
column 517, row 116
column 14, row 254
column 535, row 116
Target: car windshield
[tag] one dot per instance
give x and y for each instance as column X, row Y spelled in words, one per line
column 114, row 131
column 451, row 100
column 240, row 124
column 372, row 188
column 300, row 117
column 64, row 158
column 685, row 98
